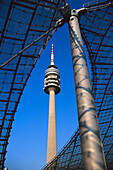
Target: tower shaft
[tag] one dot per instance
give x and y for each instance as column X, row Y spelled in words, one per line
column 51, row 145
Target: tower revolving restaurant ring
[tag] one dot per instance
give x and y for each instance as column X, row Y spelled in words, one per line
column 52, row 79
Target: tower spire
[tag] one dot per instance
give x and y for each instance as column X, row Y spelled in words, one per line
column 52, row 56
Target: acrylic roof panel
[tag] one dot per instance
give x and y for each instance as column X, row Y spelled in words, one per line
column 21, row 22
column 97, row 32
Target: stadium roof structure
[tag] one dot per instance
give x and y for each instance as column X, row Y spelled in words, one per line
column 23, row 22
column 97, row 32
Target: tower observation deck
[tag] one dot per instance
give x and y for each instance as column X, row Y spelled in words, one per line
column 52, row 87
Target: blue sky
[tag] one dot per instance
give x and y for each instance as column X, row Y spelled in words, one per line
column 28, row 142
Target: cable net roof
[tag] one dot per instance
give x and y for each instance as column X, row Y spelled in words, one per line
column 97, row 31
column 21, row 22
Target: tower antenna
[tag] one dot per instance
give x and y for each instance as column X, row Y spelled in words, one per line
column 52, row 56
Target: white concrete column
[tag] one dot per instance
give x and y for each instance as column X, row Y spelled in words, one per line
column 51, row 144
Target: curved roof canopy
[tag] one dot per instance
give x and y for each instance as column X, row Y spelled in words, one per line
column 21, row 22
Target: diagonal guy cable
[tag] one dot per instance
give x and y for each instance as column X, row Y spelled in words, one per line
column 58, row 23
column 26, row 47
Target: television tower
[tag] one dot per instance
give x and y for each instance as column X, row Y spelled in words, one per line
column 52, row 87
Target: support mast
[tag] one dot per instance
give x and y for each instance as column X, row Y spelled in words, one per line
column 91, row 144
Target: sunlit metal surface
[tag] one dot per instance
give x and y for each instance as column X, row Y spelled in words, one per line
column 21, row 22
column 97, row 32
